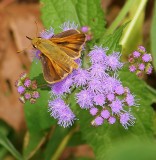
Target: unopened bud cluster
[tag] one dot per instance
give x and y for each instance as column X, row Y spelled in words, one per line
column 140, row 62
column 27, row 89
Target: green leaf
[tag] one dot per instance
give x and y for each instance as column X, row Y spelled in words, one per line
column 4, row 141
column 82, row 12
column 133, row 150
column 132, row 35
column 54, row 142
column 112, row 40
column 104, row 137
column 153, row 36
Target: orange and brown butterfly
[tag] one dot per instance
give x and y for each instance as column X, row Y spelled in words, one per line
column 58, row 54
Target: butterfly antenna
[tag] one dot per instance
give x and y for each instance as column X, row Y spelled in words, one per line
column 23, row 49
column 36, row 28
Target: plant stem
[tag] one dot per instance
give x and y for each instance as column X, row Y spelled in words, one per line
column 151, row 89
column 63, row 144
column 141, row 4
column 120, row 16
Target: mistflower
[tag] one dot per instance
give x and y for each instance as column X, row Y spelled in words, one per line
column 126, row 119
column 27, row 82
column 85, row 99
column 99, row 99
column 129, row 99
column 111, row 120
column 141, row 49
column 119, row 90
column 146, row 57
column 93, row 111
column 110, row 97
column 136, row 54
column 97, row 121
column 27, row 89
column 46, row 34
column 113, row 61
column 149, row 69
column 68, row 25
column 105, row 114
column 85, row 29
column 139, row 61
column 132, row 68
column 60, row 111
column 98, row 55
column 116, row 106
column 21, row 89
column 81, row 77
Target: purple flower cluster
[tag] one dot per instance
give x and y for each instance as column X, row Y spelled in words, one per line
column 27, row 89
column 140, row 62
column 87, row 31
column 102, row 93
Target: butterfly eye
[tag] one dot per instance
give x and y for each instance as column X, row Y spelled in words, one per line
column 34, row 46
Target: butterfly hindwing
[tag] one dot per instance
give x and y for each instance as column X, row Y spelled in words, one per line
column 52, row 71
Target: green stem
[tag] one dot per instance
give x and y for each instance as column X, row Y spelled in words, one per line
column 120, row 16
column 151, row 89
column 141, row 4
column 63, row 144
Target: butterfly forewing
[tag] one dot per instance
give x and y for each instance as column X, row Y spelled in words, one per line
column 71, row 43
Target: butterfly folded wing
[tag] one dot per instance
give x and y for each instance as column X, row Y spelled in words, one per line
column 71, row 42
column 52, row 71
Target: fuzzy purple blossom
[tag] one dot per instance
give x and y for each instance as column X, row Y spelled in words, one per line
column 110, row 97
column 27, row 83
column 126, row 119
column 68, row 25
column 99, row 99
column 141, row 66
column 81, row 77
column 98, row 71
column 46, row 34
column 111, row 120
column 119, row 90
column 149, row 69
column 98, row 55
column 109, row 84
column 136, row 54
column 35, row 94
column 132, row 68
column 130, row 100
column 105, row 114
column 142, row 48
column 98, row 121
column 95, row 85
column 21, row 89
column 27, row 96
column 93, row 111
column 147, row 57
column 85, row 29
column 113, row 61
column 116, row 106
column 85, row 99
column 60, row 111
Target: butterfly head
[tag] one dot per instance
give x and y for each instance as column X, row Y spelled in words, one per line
column 35, row 41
